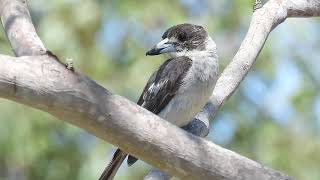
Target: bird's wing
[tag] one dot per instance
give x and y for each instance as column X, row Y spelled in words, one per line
column 164, row 84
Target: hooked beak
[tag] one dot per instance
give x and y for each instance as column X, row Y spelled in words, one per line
column 163, row 46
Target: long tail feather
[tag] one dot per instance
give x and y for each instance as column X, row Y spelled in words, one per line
column 112, row 168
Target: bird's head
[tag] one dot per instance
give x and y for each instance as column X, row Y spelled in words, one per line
column 179, row 40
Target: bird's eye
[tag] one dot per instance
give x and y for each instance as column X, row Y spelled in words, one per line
column 182, row 37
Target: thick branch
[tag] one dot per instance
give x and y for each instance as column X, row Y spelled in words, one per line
column 302, row 8
column 43, row 83
column 20, row 31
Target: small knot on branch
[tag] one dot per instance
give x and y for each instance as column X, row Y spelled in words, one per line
column 69, row 64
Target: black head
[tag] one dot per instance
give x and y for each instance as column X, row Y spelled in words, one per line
column 182, row 37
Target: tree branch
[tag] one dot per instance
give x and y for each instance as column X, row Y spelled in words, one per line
column 301, row 8
column 44, row 83
column 16, row 20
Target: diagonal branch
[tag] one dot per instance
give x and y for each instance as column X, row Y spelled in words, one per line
column 45, row 84
column 16, row 20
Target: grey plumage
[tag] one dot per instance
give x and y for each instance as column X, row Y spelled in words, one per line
column 165, row 84
column 162, row 86
column 182, row 84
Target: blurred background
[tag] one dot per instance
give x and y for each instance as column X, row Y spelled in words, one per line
column 273, row 117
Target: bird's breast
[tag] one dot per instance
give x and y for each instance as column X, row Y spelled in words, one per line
column 194, row 92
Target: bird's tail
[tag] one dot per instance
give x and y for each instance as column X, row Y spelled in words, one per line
column 112, row 168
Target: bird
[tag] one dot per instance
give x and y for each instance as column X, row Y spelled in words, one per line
column 181, row 86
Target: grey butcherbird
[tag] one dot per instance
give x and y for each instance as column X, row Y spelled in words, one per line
column 182, row 84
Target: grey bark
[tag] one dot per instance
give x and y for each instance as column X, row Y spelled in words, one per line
column 16, row 21
column 44, row 83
